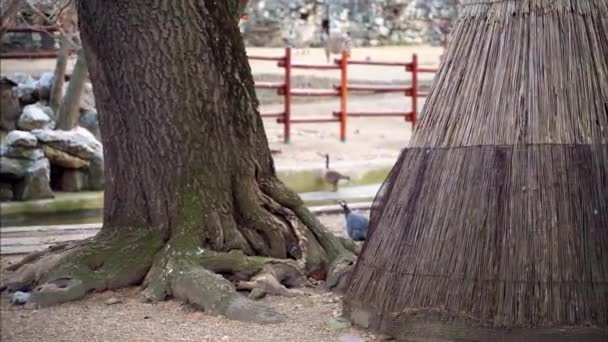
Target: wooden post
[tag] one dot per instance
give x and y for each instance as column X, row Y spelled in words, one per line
column 287, row 97
column 343, row 94
column 414, row 70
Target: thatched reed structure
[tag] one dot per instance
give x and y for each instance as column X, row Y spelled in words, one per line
column 493, row 224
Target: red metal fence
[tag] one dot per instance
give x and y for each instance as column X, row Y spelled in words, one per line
column 341, row 90
column 52, row 52
column 285, row 89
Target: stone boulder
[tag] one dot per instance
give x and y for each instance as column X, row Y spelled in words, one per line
column 21, row 78
column 31, row 178
column 26, row 153
column 21, row 145
column 10, row 110
column 79, row 143
column 36, row 116
column 13, row 169
column 63, row 159
column 90, row 121
column 21, row 139
column 37, row 182
column 44, row 85
column 26, row 89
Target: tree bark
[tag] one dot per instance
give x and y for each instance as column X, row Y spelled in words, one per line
column 60, row 70
column 69, row 109
column 191, row 190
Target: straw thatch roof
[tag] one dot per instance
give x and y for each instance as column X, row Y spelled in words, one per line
column 496, row 216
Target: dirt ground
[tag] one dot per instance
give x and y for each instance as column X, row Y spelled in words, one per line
column 92, row 320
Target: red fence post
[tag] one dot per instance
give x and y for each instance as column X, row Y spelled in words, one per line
column 414, row 70
column 343, row 94
column 287, row 97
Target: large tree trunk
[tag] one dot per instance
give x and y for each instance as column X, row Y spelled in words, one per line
column 191, row 189
column 69, row 109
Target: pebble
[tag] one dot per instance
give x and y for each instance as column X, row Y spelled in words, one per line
column 351, row 338
column 20, row 298
column 113, row 301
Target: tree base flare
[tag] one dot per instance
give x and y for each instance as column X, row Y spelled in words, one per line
column 206, row 279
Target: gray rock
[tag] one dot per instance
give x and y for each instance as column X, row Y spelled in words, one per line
column 384, row 31
column 78, row 142
column 35, row 116
column 21, row 298
column 24, row 153
column 13, row 168
column 6, row 192
column 36, row 181
column 21, row 139
column 113, row 300
column 21, row 78
column 90, row 121
column 44, row 84
column 27, row 93
column 26, row 88
column 10, row 110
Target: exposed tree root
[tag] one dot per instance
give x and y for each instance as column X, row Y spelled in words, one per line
column 69, row 272
column 196, row 277
column 178, row 265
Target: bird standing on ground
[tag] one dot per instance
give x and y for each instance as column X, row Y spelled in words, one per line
column 332, row 177
column 356, row 223
column 335, row 44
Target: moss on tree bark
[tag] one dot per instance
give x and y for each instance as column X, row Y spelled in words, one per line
column 193, row 208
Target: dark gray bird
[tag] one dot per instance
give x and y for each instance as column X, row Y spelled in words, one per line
column 332, row 177
column 356, row 223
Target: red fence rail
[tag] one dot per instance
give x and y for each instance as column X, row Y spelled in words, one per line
column 33, row 53
column 285, row 89
column 342, row 90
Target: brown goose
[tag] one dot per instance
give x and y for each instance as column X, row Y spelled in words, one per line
column 332, row 177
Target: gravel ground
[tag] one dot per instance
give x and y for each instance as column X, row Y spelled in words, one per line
column 92, row 320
